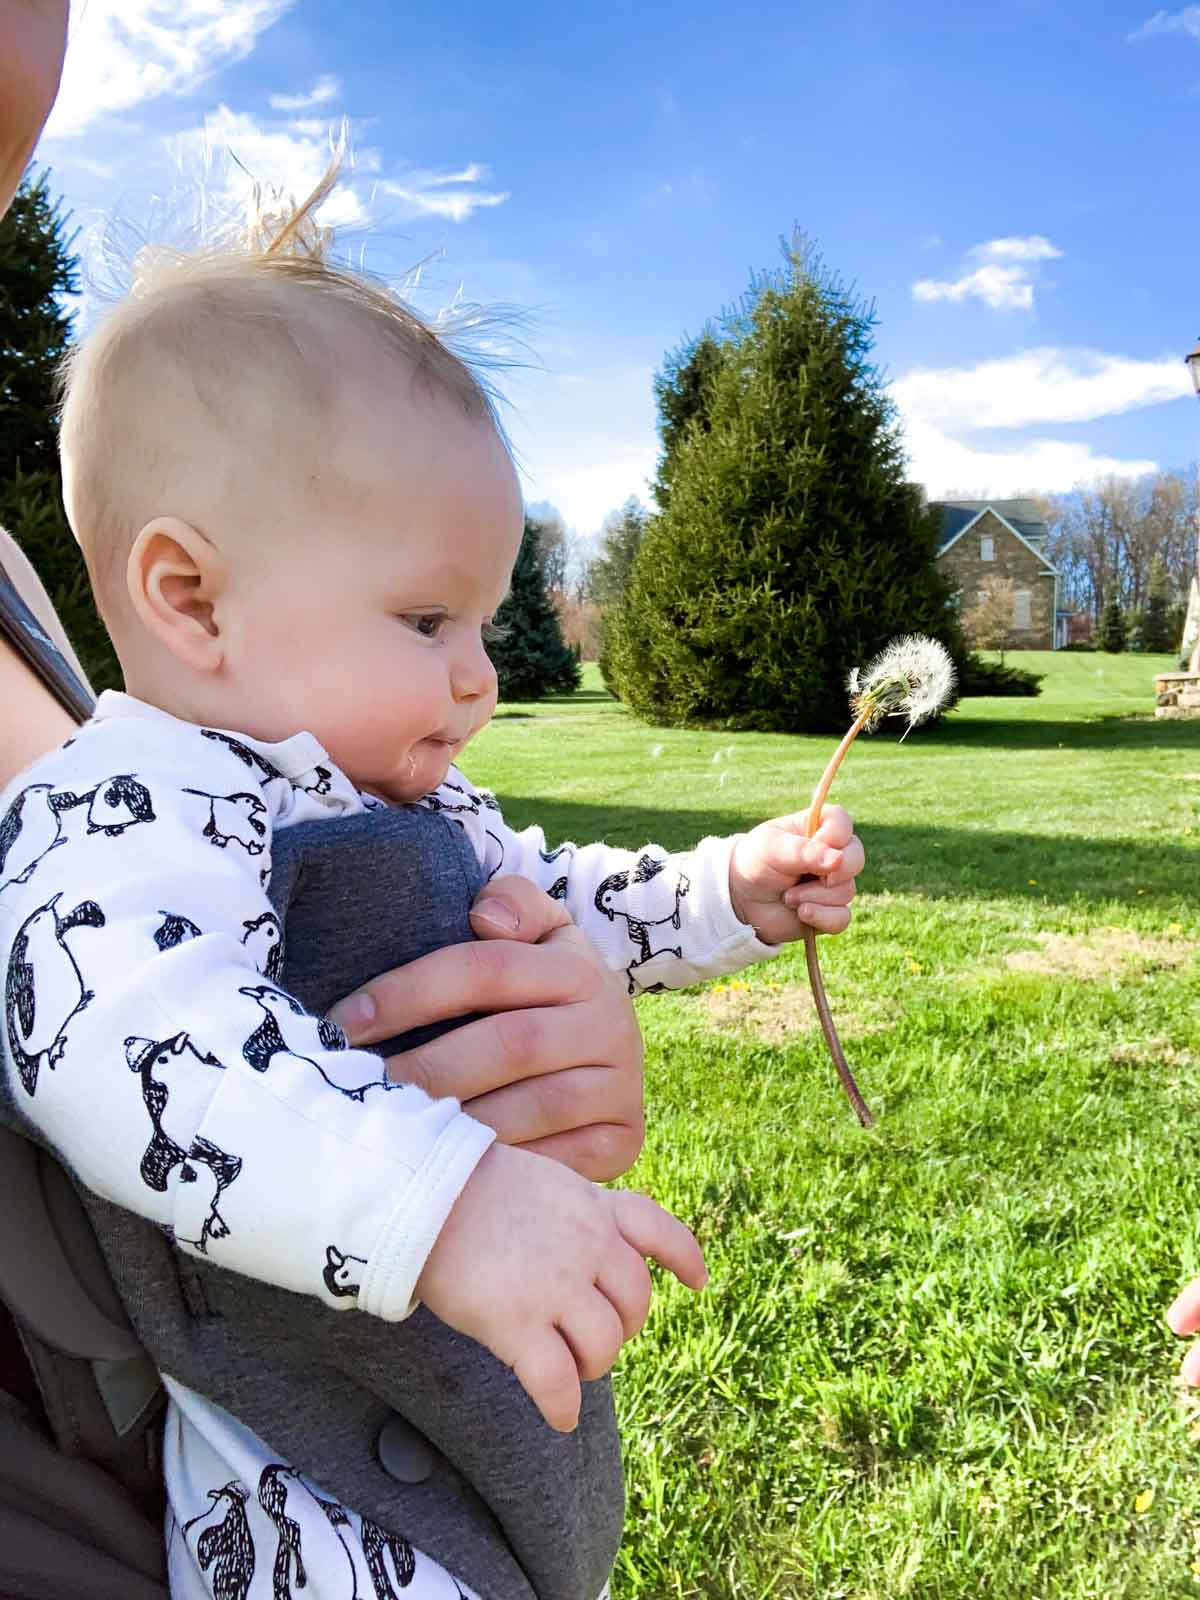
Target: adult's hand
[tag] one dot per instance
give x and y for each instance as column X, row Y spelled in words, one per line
column 555, row 1062
column 1184, row 1318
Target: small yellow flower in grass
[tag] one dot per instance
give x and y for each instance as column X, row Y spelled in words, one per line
column 1175, row 929
column 1033, row 883
column 1144, row 1501
column 1141, row 891
column 738, row 984
column 720, row 988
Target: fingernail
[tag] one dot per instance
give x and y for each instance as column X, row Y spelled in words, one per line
column 498, row 913
column 830, row 859
column 358, row 1011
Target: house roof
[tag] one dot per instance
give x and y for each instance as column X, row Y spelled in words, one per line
column 1023, row 516
column 959, row 515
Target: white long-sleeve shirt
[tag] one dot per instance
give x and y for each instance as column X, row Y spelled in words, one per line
column 147, row 1038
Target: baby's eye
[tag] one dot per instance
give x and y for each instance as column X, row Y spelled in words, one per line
column 427, row 623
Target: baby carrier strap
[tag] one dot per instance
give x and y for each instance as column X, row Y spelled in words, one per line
column 80, row 1478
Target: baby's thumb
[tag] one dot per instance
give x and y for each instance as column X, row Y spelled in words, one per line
column 515, row 908
column 546, row 1370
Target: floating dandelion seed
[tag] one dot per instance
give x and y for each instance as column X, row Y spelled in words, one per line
column 912, row 678
column 657, row 750
column 718, row 757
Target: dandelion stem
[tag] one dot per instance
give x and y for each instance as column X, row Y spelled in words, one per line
column 815, row 979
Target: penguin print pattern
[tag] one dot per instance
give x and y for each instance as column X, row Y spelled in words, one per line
column 234, row 819
column 267, row 770
column 226, row 1546
column 263, row 938
column 29, row 830
column 44, row 988
column 341, row 1272
column 201, row 1161
column 322, row 783
column 382, row 1548
column 114, row 805
column 287, row 1030
column 639, row 925
column 272, row 1497
column 174, row 930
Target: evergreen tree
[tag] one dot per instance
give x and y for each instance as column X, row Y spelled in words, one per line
column 609, row 575
column 1156, row 625
column 683, row 393
column 37, row 272
column 1112, row 627
column 531, row 658
column 791, row 547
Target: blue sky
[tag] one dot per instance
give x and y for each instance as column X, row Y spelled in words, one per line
column 1012, row 185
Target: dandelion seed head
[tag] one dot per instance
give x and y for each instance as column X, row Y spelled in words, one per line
column 912, row 678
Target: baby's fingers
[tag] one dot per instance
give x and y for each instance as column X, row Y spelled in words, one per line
column 546, row 1369
column 655, row 1233
column 1183, row 1317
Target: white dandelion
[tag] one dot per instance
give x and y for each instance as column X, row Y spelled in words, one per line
column 657, row 750
column 912, row 678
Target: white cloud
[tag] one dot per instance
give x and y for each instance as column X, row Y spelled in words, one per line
column 1032, row 247
column 1037, row 386
column 430, row 194
column 1005, row 281
column 1051, row 466
column 586, row 492
column 1185, row 21
column 233, row 150
column 945, row 409
column 326, row 88
column 1002, row 288
column 123, row 53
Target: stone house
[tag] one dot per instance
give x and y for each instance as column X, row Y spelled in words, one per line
column 1005, row 539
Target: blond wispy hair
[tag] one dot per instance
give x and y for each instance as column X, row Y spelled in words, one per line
column 204, row 345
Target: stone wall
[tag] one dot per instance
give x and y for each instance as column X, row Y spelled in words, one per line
column 962, row 564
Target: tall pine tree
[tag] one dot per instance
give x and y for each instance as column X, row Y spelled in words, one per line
column 609, row 574
column 38, row 272
column 791, row 547
column 531, row 658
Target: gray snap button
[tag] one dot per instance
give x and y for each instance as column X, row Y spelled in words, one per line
column 404, row 1454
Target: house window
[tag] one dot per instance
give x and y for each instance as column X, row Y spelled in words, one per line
column 1022, row 609
column 987, row 548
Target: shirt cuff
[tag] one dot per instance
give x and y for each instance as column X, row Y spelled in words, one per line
column 410, row 1231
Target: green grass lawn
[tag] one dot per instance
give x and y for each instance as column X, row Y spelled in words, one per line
column 931, row 1361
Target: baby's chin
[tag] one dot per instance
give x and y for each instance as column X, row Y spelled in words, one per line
column 417, row 774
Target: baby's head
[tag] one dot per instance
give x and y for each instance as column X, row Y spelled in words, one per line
column 296, row 505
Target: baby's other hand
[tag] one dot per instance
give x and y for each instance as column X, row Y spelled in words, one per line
column 779, row 879
column 550, row 1272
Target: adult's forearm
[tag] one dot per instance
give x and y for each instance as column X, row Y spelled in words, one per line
column 31, row 719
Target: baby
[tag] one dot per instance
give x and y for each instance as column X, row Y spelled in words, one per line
column 300, row 517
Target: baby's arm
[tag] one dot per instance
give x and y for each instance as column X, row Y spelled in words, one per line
column 151, row 1047
column 667, row 920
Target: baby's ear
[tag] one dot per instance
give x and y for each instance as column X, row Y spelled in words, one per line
column 174, row 576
